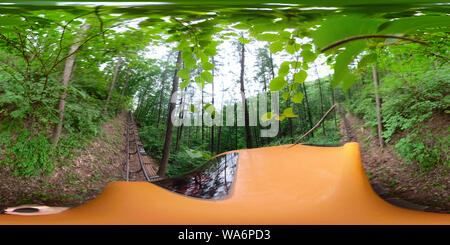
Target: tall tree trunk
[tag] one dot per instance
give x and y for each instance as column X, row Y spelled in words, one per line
column 333, row 101
column 169, row 130
column 376, row 84
column 113, row 83
column 212, row 102
column 203, row 122
column 126, row 83
column 235, row 128
column 308, row 109
column 272, row 70
column 248, row 133
column 180, row 128
column 68, row 67
column 321, row 99
column 161, row 96
column 218, row 138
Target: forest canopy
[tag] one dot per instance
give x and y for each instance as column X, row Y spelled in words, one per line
column 65, row 68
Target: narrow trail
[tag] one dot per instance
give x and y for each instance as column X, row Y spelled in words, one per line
column 397, row 182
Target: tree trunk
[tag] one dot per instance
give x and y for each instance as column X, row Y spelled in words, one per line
column 376, row 84
column 113, row 83
column 272, row 70
column 248, row 133
column 308, row 109
column 169, row 130
column 212, row 102
column 65, row 83
column 321, row 99
column 126, row 84
column 235, row 128
column 161, row 96
column 218, row 139
column 203, row 122
column 180, row 128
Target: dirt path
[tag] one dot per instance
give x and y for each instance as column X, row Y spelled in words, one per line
column 398, row 180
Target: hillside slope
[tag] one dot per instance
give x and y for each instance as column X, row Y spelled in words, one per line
column 93, row 167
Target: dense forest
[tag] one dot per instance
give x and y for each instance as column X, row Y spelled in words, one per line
column 228, row 75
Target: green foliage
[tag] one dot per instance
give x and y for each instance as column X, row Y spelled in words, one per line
column 35, row 43
column 414, row 90
column 413, row 149
column 152, row 139
column 28, row 154
column 184, row 161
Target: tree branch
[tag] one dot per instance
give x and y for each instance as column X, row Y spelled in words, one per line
column 64, row 31
column 371, row 36
column 315, row 126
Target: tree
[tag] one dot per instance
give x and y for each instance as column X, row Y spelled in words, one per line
column 65, row 82
column 113, row 82
column 376, row 84
column 169, row 129
column 248, row 132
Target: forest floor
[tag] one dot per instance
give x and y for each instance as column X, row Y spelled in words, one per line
column 94, row 166
column 398, row 179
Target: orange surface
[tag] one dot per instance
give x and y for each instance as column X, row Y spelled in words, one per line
column 273, row 185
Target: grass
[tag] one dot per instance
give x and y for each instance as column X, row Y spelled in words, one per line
column 72, row 179
column 369, row 175
column 96, row 177
column 393, row 183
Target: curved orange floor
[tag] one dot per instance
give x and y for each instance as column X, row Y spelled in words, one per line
column 273, row 185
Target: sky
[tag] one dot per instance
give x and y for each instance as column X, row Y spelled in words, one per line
column 228, row 74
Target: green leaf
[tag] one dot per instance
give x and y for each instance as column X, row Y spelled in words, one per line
column 268, row 37
column 200, row 82
column 342, row 27
column 293, row 48
column 367, row 59
column 243, row 40
column 298, row 98
column 211, row 50
column 267, row 116
column 184, row 84
column 305, row 66
column 277, row 84
column 209, row 108
column 285, row 95
column 188, row 61
column 280, row 117
column 308, row 56
column 207, row 76
column 349, row 80
column 411, row 24
column 296, row 64
column 300, row 76
column 288, row 112
column 306, row 46
column 343, row 60
column 276, row 47
column 207, row 65
column 184, row 74
column 10, row 20
column 284, row 69
column 285, row 34
column 241, row 26
column 193, row 109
